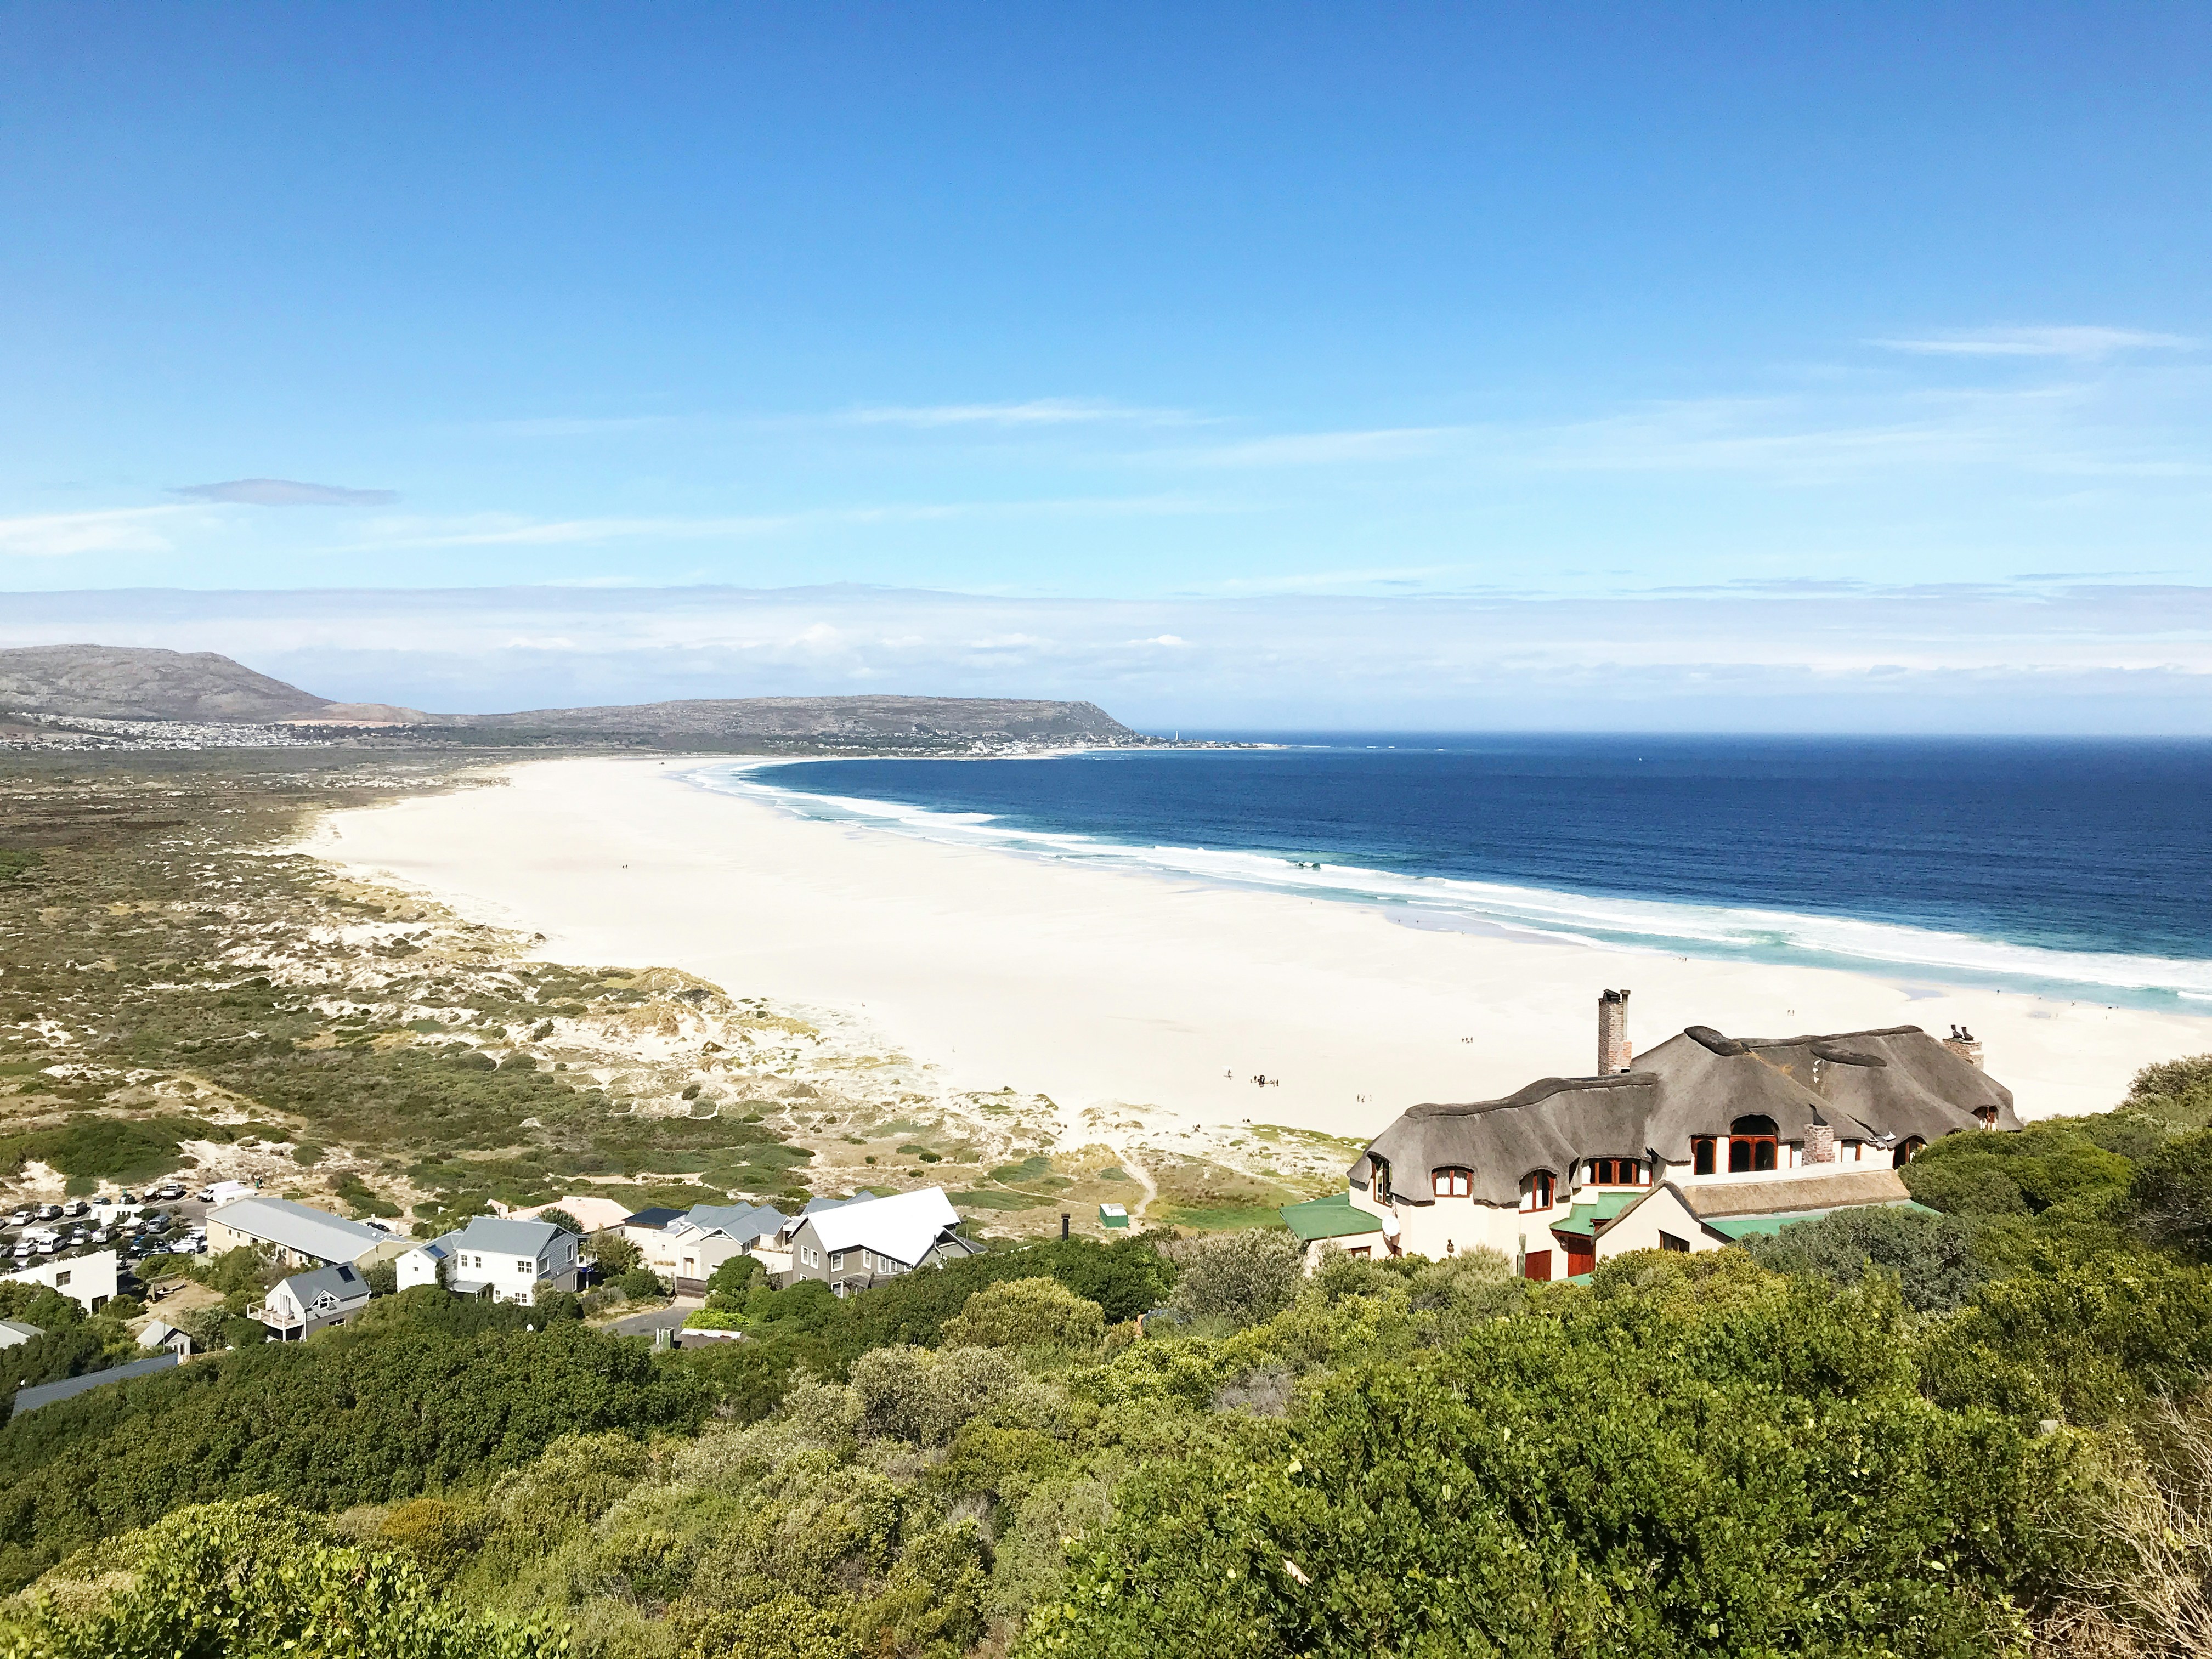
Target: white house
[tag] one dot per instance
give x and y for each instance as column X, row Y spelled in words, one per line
column 853, row 1245
column 162, row 1336
column 86, row 1280
column 13, row 1333
column 304, row 1304
column 496, row 1258
column 686, row 1250
column 299, row 1234
column 1701, row 1141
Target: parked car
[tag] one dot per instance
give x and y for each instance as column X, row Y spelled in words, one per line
column 75, row 1206
column 170, row 1193
column 48, row 1211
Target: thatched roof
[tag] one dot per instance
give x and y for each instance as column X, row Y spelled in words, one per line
column 1882, row 1085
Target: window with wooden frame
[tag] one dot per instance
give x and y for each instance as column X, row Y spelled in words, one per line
column 1382, row 1166
column 1616, row 1172
column 1752, row 1146
column 1987, row 1115
column 1702, row 1159
column 1451, row 1183
column 1906, row 1153
column 1536, row 1190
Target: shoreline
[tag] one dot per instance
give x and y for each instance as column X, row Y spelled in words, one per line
column 1149, row 997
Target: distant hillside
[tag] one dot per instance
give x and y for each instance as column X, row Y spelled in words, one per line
column 103, row 681
column 832, row 720
column 124, row 682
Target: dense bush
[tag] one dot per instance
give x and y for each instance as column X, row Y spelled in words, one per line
column 1027, row 1313
column 255, row 1577
column 1705, row 1462
column 372, row 1412
column 1243, row 1277
column 1932, row 1256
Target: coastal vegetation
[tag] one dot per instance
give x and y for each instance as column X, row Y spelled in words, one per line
column 1966, row 1431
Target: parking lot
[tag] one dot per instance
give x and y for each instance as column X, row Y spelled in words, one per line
column 166, row 1220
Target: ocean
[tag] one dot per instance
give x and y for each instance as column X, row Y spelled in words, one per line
column 2081, row 869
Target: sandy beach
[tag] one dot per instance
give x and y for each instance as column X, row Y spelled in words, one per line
column 1105, row 988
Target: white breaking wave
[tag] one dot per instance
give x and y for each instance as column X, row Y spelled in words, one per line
column 1658, row 925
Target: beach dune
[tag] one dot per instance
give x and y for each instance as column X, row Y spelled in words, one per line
column 1113, row 987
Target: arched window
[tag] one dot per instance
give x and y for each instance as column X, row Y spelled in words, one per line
column 1536, row 1190
column 1381, row 1178
column 1906, row 1153
column 1451, row 1183
column 1752, row 1145
column 1616, row 1172
column 1988, row 1115
column 1701, row 1156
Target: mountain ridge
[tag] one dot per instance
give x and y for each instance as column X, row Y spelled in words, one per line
column 136, row 683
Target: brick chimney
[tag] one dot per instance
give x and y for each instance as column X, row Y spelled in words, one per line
column 1613, row 1049
column 1965, row 1044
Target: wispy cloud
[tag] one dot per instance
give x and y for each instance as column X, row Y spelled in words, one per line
column 58, row 535
column 2087, row 343
column 286, row 492
column 490, row 530
column 1330, row 448
column 1037, row 412
column 569, row 426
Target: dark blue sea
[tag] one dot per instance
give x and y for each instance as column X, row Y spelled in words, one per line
column 2080, row 868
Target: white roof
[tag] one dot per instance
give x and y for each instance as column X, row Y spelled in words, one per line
column 301, row 1227
column 903, row 1226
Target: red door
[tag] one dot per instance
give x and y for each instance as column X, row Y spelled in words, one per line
column 1537, row 1264
column 1581, row 1254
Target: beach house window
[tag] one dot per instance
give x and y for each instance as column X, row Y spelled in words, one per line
column 1752, row 1145
column 1906, row 1153
column 1381, row 1178
column 1701, row 1155
column 1536, row 1193
column 838, row 1261
column 1616, row 1171
column 1988, row 1115
column 1451, row 1183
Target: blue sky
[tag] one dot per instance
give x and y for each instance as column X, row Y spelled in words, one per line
column 1169, row 305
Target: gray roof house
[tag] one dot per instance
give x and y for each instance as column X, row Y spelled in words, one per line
column 300, row 1234
column 497, row 1258
column 856, row 1243
column 13, row 1333
column 1700, row 1140
column 300, row 1306
column 158, row 1333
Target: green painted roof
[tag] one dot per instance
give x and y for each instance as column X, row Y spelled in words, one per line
column 1328, row 1218
column 1748, row 1226
column 1584, row 1220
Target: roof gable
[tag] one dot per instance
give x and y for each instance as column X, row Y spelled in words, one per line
column 903, row 1226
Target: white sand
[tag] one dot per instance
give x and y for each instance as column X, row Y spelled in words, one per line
column 1095, row 986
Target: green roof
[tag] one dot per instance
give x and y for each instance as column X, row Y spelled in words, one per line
column 1584, row 1220
column 1328, row 1218
column 1749, row 1226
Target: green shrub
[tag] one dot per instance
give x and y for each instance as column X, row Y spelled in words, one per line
column 1026, row 1313
column 1244, row 1277
column 253, row 1577
column 1932, row 1256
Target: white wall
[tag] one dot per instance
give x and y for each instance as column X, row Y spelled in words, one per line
column 87, row 1280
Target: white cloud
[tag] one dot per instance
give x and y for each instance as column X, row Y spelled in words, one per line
column 2027, row 657
column 2078, row 342
column 286, row 492
column 115, row 529
column 1037, row 412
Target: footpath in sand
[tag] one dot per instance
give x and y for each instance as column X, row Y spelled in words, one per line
column 1142, row 1006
